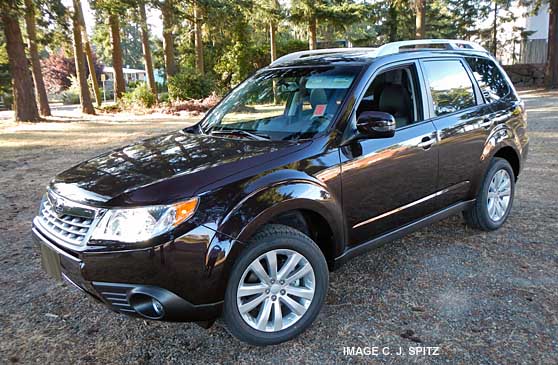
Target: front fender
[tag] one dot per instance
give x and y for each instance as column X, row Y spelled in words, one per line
column 260, row 207
column 263, row 204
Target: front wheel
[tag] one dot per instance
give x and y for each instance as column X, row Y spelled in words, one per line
column 495, row 198
column 276, row 288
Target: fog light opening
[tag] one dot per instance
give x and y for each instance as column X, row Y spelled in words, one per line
column 147, row 306
column 157, row 307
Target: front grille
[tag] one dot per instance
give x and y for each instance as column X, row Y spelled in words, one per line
column 67, row 227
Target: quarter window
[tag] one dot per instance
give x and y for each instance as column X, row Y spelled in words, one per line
column 450, row 86
column 491, row 81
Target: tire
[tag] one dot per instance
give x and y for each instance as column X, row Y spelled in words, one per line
column 286, row 244
column 480, row 216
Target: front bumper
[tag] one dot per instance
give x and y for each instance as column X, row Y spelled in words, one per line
column 89, row 273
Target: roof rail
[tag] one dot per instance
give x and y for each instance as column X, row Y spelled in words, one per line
column 315, row 52
column 387, row 49
column 450, row 44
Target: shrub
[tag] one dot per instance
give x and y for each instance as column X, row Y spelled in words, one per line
column 141, row 96
column 164, row 97
column 193, row 106
column 131, row 85
column 71, row 95
column 9, row 101
column 189, row 84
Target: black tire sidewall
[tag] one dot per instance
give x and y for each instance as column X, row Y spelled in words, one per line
column 496, row 165
column 303, row 245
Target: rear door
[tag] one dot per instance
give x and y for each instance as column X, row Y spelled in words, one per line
column 457, row 111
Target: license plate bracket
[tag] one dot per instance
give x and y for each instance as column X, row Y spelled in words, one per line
column 50, row 261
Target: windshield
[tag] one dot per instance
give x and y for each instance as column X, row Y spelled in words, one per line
column 283, row 104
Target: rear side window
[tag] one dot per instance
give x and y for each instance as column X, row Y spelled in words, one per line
column 491, row 81
column 450, row 86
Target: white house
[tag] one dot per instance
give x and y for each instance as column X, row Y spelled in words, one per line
column 533, row 48
column 130, row 74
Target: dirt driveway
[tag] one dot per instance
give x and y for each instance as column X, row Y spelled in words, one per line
column 479, row 297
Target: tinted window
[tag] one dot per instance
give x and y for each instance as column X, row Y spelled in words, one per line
column 450, row 86
column 283, row 104
column 491, row 81
column 394, row 92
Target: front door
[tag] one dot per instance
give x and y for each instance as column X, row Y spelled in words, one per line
column 389, row 182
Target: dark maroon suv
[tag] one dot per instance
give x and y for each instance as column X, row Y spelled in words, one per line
column 313, row 160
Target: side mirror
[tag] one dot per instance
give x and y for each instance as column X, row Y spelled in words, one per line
column 376, row 124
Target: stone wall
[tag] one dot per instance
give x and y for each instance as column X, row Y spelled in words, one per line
column 526, row 74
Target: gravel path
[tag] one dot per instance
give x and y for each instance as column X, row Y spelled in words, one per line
column 478, row 297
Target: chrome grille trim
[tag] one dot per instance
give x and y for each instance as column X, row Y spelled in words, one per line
column 116, row 295
column 72, row 224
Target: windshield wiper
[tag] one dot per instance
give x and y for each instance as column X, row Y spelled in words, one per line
column 242, row 132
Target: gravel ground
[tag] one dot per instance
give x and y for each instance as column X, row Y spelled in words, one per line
column 479, row 297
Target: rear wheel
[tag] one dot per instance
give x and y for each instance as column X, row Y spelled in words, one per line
column 276, row 288
column 495, row 198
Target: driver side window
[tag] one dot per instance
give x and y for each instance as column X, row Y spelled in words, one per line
column 396, row 92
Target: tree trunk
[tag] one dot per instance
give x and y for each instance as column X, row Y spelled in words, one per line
column 88, row 51
column 312, row 33
column 420, row 20
column 30, row 23
column 84, row 96
column 272, row 40
column 495, row 29
column 168, row 39
column 198, row 41
column 119, row 83
column 147, row 51
column 25, row 106
column 551, row 74
column 392, row 22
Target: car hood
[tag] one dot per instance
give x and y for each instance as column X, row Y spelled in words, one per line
column 193, row 160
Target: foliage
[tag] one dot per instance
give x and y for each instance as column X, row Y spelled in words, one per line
column 131, row 85
column 132, row 55
column 58, row 70
column 5, row 79
column 9, row 101
column 239, row 61
column 71, row 95
column 141, row 96
column 189, row 84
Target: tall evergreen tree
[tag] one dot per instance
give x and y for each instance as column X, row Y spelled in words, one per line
column 25, row 106
column 114, row 10
column 147, row 49
column 31, row 26
column 79, row 56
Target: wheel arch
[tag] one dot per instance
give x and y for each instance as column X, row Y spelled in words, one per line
column 304, row 205
column 510, row 154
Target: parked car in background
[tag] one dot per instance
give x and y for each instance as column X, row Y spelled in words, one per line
column 316, row 158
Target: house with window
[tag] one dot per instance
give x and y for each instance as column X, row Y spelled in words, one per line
column 130, row 74
column 525, row 40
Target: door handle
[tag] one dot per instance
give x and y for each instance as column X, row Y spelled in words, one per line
column 487, row 123
column 426, row 143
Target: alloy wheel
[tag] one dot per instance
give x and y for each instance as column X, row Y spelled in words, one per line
column 276, row 290
column 499, row 195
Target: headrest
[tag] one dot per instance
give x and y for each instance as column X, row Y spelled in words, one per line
column 317, row 97
column 394, row 99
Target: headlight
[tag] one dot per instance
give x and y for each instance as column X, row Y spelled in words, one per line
column 141, row 224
